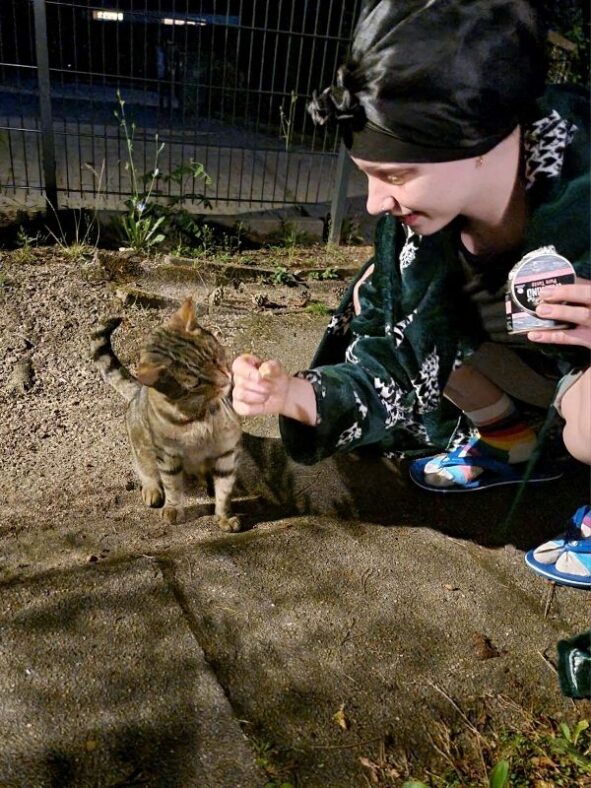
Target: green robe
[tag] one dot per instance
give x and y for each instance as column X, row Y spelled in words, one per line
column 378, row 376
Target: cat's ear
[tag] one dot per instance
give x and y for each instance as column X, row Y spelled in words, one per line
column 148, row 374
column 184, row 318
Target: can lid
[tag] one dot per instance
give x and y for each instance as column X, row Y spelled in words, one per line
column 538, row 269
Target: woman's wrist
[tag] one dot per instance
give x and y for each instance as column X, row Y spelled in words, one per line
column 300, row 401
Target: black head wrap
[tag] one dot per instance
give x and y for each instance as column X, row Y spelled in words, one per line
column 435, row 80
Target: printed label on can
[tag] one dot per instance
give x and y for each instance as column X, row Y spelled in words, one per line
column 538, row 269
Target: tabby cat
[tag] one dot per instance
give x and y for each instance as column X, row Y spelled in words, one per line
column 179, row 419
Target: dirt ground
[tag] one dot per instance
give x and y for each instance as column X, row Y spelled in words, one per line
column 344, row 634
column 59, row 446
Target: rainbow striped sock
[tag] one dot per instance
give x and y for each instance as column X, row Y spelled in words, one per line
column 507, row 438
column 502, row 434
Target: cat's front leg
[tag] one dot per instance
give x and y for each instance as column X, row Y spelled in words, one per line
column 171, row 475
column 147, row 470
column 224, row 476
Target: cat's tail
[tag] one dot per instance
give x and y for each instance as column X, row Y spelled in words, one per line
column 112, row 370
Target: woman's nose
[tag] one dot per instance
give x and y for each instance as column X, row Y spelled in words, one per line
column 379, row 197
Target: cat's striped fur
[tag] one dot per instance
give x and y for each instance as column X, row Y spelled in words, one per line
column 179, row 419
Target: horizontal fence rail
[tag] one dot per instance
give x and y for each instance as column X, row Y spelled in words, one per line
column 113, row 87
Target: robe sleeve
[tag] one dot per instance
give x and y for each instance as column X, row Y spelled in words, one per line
column 378, row 378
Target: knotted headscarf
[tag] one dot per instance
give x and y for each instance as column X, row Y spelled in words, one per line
column 435, row 80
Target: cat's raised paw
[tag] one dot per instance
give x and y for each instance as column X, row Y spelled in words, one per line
column 152, row 497
column 172, row 515
column 229, row 524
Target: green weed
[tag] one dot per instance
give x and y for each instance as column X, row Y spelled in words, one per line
column 497, row 778
column 326, row 274
column 148, row 222
column 281, row 276
column 81, row 239
column 290, row 236
column 77, row 246
column 24, row 254
column 140, row 225
column 531, row 749
column 266, row 757
column 318, row 308
column 286, row 120
column 351, row 234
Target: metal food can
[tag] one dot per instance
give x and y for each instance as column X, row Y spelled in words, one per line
column 538, row 269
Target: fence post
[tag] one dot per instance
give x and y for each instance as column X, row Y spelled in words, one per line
column 337, row 208
column 47, row 138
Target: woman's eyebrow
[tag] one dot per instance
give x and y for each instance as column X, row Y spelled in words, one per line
column 390, row 169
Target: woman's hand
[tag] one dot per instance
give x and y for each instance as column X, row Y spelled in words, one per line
column 265, row 388
column 260, row 387
column 576, row 310
column 575, row 401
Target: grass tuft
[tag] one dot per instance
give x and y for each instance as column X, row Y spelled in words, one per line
column 504, row 745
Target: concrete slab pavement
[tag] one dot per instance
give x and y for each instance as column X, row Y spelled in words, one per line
column 103, row 682
column 133, row 652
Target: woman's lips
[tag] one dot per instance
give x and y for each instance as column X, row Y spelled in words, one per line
column 410, row 218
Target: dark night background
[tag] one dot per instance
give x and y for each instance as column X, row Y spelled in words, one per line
column 256, row 42
column 255, row 33
column 243, row 66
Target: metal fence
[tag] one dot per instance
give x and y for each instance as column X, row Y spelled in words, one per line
column 220, row 82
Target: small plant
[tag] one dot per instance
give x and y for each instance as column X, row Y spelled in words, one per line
column 26, row 243
column 80, row 245
column 192, row 171
column 82, row 239
column 281, row 276
column 574, row 735
column 240, row 231
column 140, row 225
column 286, row 120
column 328, row 273
column 318, row 308
column 546, row 746
column 147, row 222
column 499, row 775
column 528, row 748
column 290, row 236
column 351, row 234
column 266, row 759
column 497, row 778
column 194, row 237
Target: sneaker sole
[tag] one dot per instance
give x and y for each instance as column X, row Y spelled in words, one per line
column 484, row 485
column 545, row 570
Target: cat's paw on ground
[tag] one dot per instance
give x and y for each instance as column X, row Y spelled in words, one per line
column 230, row 524
column 152, row 497
column 173, row 514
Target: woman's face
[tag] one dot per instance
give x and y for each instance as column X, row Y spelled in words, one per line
column 425, row 197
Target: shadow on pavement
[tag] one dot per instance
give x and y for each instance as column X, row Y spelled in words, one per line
column 102, row 684
column 379, row 491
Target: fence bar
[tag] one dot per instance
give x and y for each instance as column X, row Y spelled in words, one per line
column 212, row 79
column 47, row 138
